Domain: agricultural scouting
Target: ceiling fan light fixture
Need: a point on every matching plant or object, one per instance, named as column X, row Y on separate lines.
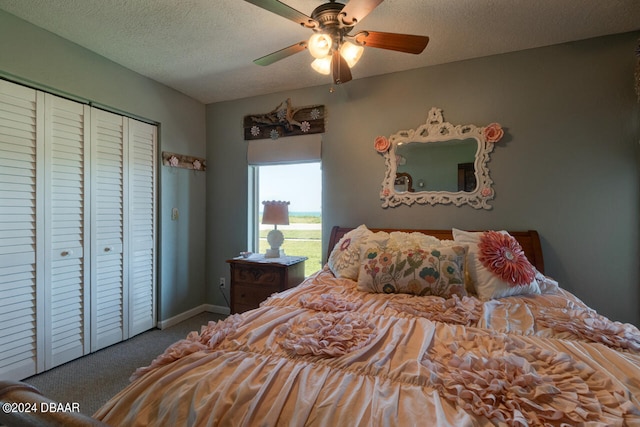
column 320, row 45
column 322, row 65
column 331, row 23
column 351, row 53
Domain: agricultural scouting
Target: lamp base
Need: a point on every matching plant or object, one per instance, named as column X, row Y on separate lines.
column 274, row 253
column 275, row 238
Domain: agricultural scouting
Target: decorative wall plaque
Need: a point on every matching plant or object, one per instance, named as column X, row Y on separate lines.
column 184, row 161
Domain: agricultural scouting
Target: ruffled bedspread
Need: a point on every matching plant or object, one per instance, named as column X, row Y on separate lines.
column 326, row 354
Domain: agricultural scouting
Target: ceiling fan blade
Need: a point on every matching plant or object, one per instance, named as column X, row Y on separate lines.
column 285, row 11
column 356, row 10
column 340, row 68
column 407, row 43
column 281, row 54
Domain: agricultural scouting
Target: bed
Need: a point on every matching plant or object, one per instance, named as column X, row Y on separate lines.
column 407, row 345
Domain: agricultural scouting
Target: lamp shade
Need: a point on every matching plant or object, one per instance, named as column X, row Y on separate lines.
column 275, row 212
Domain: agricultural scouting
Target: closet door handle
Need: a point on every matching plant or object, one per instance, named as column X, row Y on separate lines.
column 108, row 248
column 66, row 253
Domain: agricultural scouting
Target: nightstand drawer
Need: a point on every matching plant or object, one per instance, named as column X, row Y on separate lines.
column 251, row 295
column 259, row 275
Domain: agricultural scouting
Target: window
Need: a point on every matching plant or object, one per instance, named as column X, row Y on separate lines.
column 301, row 185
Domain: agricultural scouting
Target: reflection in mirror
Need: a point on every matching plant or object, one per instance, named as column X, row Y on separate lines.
column 439, row 166
column 403, row 182
column 438, row 163
column 467, row 177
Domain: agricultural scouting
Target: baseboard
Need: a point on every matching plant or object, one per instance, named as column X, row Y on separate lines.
column 218, row 309
column 210, row 308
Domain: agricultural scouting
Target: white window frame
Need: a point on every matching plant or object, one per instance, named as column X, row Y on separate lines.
column 253, row 232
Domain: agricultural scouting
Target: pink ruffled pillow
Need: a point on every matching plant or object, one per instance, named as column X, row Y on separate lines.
column 497, row 264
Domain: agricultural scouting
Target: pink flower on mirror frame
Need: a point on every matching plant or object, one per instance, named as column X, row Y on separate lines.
column 493, row 132
column 486, row 192
column 381, row 144
column 503, row 256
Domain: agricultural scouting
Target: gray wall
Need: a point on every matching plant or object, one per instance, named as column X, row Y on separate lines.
column 45, row 59
column 568, row 166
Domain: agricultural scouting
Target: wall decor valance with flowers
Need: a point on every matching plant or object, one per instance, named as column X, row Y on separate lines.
column 438, row 163
column 283, row 121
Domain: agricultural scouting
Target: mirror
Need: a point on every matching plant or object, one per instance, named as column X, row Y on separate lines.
column 438, row 163
column 439, row 166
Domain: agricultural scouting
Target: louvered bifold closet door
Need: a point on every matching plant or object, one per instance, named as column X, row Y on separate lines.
column 66, row 246
column 108, row 275
column 19, row 226
column 142, row 225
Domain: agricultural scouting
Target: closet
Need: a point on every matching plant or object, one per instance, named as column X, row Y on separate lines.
column 77, row 229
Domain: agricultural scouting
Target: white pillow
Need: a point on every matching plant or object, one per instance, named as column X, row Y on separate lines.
column 344, row 260
column 403, row 239
column 547, row 284
column 497, row 265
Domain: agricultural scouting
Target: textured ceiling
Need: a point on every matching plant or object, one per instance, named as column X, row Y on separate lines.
column 205, row 48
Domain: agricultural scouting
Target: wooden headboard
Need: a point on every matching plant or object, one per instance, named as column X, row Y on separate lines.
column 529, row 240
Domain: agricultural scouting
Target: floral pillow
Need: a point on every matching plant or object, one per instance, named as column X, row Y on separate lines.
column 497, row 264
column 436, row 270
column 344, row 260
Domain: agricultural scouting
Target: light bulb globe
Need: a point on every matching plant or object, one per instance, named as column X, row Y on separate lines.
column 322, row 65
column 319, row 45
column 351, row 53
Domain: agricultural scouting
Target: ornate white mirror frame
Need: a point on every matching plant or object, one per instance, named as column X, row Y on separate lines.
column 437, row 130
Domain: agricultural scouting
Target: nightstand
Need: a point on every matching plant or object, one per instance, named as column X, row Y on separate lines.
column 254, row 279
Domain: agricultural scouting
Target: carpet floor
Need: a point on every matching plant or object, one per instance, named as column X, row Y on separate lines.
column 93, row 379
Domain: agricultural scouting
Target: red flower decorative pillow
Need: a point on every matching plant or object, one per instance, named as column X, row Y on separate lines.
column 497, row 264
column 503, row 256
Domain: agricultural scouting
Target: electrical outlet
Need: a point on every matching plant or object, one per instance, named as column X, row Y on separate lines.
column 223, row 283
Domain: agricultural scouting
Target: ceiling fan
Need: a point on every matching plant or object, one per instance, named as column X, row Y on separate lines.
column 334, row 49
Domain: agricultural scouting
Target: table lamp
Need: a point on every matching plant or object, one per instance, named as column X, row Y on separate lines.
column 276, row 213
